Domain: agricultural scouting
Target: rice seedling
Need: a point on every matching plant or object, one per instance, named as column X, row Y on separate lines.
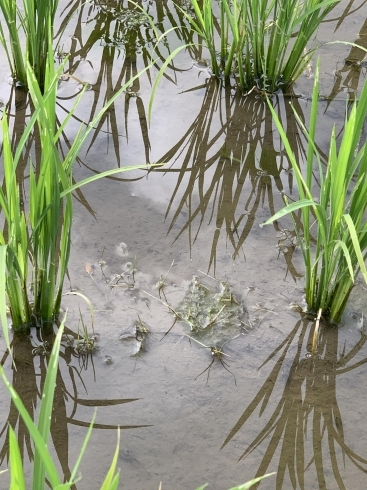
column 162, row 282
column 33, row 21
column 263, row 45
column 38, row 242
column 337, row 214
column 86, row 343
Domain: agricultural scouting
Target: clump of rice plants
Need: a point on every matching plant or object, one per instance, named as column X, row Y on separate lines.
column 262, row 44
column 35, row 245
column 35, row 21
column 338, row 215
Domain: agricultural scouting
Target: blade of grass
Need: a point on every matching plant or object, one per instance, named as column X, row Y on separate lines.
column 159, row 77
column 16, row 467
column 112, row 480
column 33, row 431
column 248, row 485
column 41, row 455
column 4, row 321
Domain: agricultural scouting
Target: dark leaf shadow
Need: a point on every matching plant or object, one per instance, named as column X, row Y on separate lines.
column 308, row 404
column 229, row 156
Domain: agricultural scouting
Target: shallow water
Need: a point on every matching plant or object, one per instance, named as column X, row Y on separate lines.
column 223, row 177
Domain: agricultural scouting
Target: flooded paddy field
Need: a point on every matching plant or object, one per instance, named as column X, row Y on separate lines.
column 231, row 392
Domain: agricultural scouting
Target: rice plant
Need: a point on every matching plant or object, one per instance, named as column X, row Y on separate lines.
column 33, row 23
column 338, row 215
column 38, row 243
column 262, row 44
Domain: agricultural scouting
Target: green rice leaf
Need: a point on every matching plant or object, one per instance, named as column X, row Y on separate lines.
column 3, row 318
column 249, row 484
column 312, row 129
column 342, row 245
column 16, row 467
column 82, row 451
column 34, row 433
column 147, row 16
column 106, row 174
column 111, row 481
column 357, row 248
column 72, row 480
column 315, row 8
column 41, row 455
column 301, row 183
column 87, row 300
column 160, row 75
column 294, row 206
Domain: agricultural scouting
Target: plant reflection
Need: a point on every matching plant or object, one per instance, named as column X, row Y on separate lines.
column 347, row 78
column 350, row 9
column 123, row 39
column 308, row 404
column 229, row 164
column 28, row 379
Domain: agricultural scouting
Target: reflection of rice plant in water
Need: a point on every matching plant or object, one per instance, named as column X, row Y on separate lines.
column 262, row 43
column 41, row 238
column 127, row 33
column 230, row 159
column 338, row 214
column 303, row 431
column 348, row 76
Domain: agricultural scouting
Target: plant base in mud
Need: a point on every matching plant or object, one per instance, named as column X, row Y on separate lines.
column 337, row 215
column 262, row 44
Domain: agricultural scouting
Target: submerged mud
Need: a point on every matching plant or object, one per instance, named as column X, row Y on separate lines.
column 144, row 241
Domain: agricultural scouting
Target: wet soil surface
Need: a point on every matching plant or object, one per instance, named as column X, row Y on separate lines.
column 231, row 391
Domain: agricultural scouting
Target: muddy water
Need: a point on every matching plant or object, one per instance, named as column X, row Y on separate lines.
column 224, row 174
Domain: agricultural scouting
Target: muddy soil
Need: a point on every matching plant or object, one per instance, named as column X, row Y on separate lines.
column 224, row 174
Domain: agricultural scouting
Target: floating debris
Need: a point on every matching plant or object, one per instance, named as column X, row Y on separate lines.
column 214, row 315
